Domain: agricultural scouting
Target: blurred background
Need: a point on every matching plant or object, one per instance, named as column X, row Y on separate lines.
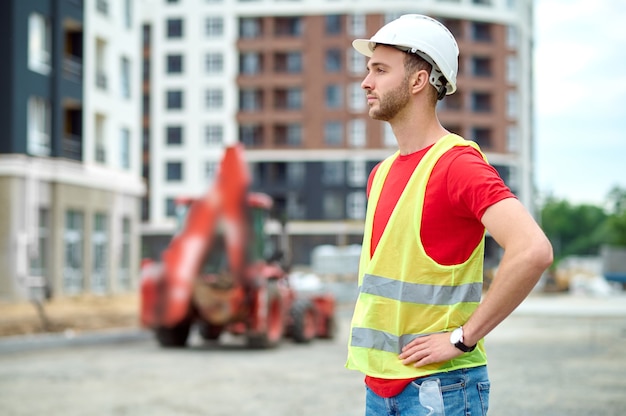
column 114, row 109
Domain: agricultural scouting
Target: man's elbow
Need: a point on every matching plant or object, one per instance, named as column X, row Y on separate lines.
column 542, row 254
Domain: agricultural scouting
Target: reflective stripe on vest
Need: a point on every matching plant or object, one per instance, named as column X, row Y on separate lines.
column 381, row 340
column 420, row 293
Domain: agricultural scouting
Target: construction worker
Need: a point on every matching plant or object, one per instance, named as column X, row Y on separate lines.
column 418, row 325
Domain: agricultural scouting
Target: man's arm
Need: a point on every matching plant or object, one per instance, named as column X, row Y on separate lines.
column 527, row 254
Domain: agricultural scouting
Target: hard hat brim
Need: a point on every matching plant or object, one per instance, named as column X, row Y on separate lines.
column 363, row 46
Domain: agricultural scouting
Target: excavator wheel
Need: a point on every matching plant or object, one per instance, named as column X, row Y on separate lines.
column 269, row 307
column 173, row 337
column 303, row 327
column 209, row 332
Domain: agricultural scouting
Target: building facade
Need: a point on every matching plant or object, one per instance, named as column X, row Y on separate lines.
column 70, row 166
column 282, row 78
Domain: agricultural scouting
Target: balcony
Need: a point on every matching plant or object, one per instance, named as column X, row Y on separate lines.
column 73, row 68
column 72, row 147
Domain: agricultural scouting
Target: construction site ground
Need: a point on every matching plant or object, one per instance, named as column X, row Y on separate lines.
column 77, row 314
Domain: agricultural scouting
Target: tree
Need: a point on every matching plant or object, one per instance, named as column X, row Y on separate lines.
column 584, row 229
column 617, row 218
column 574, row 229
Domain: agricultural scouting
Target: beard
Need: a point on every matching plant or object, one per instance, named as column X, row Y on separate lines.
column 390, row 104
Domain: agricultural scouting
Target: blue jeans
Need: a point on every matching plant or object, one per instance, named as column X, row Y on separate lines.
column 465, row 392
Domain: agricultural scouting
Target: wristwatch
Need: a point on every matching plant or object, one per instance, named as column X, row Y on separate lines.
column 456, row 339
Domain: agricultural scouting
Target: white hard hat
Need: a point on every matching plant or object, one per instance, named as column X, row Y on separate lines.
column 424, row 36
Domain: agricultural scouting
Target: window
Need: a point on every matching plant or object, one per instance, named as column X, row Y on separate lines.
column 124, row 279
column 481, row 66
column 296, row 207
column 38, row 127
column 250, row 99
column 213, row 27
column 250, row 63
column 333, row 60
column 251, row 135
column 99, row 243
column 333, row 133
column 356, row 203
column 214, row 134
column 125, row 78
column 512, row 109
column 174, row 100
column 511, row 37
column 333, row 24
column 333, row 96
column 332, row 205
column 39, row 44
column 481, row 102
column 512, row 139
column 296, row 173
column 356, row 173
column 100, row 145
column 481, row 32
column 101, row 76
column 39, row 262
column 174, row 28
column 333, row 173
column 102, row 6
column 125, row 148
column 213, row 98
column 73, row 256
column 288, row 99
column 128, row 14
column 174, row 135
column 482, row 136
column 288, row 62
column 356, row 132
column 210, row 170
column 356, row 25
column 511, row 69
column 213, row 63
column 288, row 134
column 357, row 101
column 250, row 27
column 174, row 64
column 170, row 208
column 174, row 171
column 452, row 102
column 288, row 26
column 356, row 62
column 482, row 2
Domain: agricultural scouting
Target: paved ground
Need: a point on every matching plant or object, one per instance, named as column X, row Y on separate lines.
column 557, row 355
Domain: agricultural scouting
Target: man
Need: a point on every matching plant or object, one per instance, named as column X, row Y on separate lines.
column 419, row 322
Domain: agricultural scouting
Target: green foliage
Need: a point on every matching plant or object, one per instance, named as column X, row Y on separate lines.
column 617, row 220
column 583, row 229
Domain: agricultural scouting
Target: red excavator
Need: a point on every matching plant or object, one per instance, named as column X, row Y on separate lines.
column 216, row 272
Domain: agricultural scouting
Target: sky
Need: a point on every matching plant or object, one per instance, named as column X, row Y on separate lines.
column 580, row 101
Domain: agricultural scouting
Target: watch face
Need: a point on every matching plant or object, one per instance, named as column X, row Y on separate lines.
column 456, row 336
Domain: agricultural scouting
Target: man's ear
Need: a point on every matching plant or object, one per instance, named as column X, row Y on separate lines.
column 419, row 81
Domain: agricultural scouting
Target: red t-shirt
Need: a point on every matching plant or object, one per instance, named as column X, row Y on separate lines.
column 460, row 189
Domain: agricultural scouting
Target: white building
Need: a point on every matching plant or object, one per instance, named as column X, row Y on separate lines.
column 70, row 171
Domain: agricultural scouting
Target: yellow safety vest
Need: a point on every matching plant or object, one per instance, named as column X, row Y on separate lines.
column 405, row 294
